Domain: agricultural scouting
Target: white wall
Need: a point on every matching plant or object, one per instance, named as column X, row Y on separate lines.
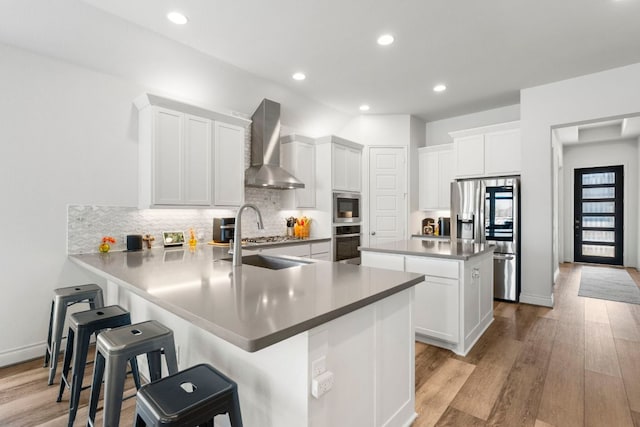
column 604, row 154
column 610, row 93
column 69, row 136
column 438, row 131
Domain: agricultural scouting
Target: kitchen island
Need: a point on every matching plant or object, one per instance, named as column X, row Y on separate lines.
column 272, row 330
column 454, row 303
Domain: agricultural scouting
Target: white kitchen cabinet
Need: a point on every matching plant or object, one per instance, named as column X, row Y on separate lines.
column 188, row 156
column 346, row 167
column 228, row 164
column 436, row 171
column 454, row 304
column 298, row 155
column 181, row 152
column 321, row 250
column 502, row 152
column 488, row 151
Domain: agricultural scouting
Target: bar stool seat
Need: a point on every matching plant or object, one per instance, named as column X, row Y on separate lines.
column 113, row 348
column 81, row 326
column 62, row 298
column 190, row 397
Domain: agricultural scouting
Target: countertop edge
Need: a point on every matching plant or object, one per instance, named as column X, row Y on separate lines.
column 256, row 344
column 428, row 255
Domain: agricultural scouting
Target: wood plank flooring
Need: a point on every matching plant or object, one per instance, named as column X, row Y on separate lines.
column 575, row 365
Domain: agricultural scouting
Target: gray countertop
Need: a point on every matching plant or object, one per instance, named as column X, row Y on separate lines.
column 250, row 307
column 431, row 248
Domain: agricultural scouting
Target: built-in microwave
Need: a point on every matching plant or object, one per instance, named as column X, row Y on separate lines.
column 346, row 207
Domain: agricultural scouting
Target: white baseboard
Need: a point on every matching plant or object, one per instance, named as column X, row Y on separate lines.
column 544, row 301
column 22, row 354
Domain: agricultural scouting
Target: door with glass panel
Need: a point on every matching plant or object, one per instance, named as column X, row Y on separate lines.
column 598, row 215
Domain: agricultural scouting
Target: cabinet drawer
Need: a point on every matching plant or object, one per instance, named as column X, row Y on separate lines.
column 432, row 267
column 380, row 260
column 320, row 247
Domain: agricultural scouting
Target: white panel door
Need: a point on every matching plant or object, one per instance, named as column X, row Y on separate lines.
column 197, row 153
column 229, row 165
column 167, row 154
column 387, row 194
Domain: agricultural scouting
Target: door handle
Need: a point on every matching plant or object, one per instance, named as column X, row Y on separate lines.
column 373, row 233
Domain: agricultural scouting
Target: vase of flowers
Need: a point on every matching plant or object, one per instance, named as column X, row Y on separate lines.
column 105, row 246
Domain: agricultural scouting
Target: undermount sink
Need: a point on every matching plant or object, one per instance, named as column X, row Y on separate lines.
column 271, row 262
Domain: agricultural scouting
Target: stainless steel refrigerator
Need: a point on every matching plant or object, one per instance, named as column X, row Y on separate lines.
column 488, row 211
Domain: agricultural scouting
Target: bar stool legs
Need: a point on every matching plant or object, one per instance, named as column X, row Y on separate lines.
column 62, row 298
column 113, row 349
column 82, row 326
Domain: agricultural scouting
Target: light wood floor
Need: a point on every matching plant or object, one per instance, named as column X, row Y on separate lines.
column 575, row 365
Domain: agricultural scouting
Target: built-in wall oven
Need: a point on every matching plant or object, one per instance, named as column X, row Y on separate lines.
column 346, row 240
column 346, row 207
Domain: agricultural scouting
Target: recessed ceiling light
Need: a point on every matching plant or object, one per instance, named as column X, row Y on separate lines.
column 364, row 107
column 439, row 88
column 299, row 76
column 177, row 18
column 385, row 40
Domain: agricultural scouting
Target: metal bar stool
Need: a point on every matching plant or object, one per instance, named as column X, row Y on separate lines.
column 190, row 397
column 62, row 298
column 113, row 349
column 81, row 326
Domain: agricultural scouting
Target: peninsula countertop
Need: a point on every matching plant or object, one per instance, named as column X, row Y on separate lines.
column 250, row 307
column 431, row 248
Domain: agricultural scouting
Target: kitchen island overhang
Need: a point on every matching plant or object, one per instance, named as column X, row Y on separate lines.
column 266, row 328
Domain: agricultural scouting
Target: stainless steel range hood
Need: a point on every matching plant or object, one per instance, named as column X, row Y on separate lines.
column 265, row 170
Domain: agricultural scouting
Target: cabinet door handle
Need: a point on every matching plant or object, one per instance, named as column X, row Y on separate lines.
column 373, row 233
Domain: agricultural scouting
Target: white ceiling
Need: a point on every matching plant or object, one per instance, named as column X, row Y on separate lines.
column 484, row 51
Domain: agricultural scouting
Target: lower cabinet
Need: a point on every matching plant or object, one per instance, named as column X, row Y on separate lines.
column 454, row 304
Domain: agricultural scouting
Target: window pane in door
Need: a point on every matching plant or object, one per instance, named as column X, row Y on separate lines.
column 599, row 193
column 598, row 207
column 599, row 221
column 598, row 236
column 599, row 178
column 599, row 251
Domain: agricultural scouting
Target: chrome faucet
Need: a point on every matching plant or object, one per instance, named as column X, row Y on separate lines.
column 237, row 234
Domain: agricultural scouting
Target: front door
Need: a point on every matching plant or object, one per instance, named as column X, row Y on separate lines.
column 598, row 215
column 387, row 194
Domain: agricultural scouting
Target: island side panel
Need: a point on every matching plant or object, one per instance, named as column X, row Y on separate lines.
column 371, row 354
column 273, row 383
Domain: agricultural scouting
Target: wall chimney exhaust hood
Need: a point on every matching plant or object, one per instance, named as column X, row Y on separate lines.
column 265, row 170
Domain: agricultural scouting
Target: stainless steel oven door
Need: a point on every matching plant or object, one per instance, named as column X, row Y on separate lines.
column 346, row 248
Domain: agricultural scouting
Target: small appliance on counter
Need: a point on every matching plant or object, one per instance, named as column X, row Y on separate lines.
column 134, row 242
column 444, row 226
column 428, row 226
column 223, row 229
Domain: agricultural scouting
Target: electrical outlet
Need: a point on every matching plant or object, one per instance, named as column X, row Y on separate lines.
column 318, row 366
column 322, row 384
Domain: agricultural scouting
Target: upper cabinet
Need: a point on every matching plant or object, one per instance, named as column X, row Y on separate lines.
column 189, row 156
column 436, row 169
column 488, row 151
column 228, row 164
column 346, row 164
column 298, row 156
